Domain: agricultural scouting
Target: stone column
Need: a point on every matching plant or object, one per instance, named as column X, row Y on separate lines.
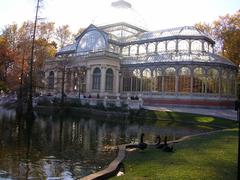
column 116, row 79
column 190, row 46
column 72, row 80
column 147, row 48
column 65, row 80
column 202, row 46
column 103, row 80
column 156, row 47
column 176, row 46
column 88, row 80
column 59, row 80
column 121, row 83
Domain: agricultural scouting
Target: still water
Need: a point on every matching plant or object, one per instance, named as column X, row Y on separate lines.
column 63, row 146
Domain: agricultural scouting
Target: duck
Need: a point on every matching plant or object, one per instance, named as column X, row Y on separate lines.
column 158, row 144
column 166, row 147
column 142, row 145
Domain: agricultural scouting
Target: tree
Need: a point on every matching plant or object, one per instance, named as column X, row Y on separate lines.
column 226, row 32
column 10, row 34
column 6, row 62
column 63, row 35
column 46, row 31
column 15, row 51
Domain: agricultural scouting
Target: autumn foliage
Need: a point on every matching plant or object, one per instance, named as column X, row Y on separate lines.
column 226, row 33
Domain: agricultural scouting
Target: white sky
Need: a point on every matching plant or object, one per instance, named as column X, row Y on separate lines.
column 158, row 14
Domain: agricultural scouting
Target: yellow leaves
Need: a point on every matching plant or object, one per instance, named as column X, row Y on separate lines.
column 226, row 32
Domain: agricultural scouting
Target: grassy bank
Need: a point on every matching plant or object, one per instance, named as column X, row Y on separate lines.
column 150, row 116
column 205, row 157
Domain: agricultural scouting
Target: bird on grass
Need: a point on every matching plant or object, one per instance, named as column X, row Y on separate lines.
column 158, row 144
column 166, row 147
column 142, row 145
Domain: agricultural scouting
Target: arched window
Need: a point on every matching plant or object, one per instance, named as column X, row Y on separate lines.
column 157, row 79
column 125, row 51
column 161, row 47
column 196, row 46
column 210, row 48
column 96, row 79
column 146, row 81
column 184, row 80
column 92, row 41
column 109, row 79
column 224, row 83
column 133, row 50
column 51, row 80
column 136, row 80
column 142, row 49
column 117, row 49
column 151, row 47
column 198, row 80
column 213, row 81
column 183, row 45
column 171, row 46
column 169, row 79
column 206, row 46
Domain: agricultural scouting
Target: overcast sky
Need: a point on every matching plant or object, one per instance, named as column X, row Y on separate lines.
column 158, row 14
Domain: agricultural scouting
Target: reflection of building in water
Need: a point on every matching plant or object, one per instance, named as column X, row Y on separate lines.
column 7, row 113
column 172, row 66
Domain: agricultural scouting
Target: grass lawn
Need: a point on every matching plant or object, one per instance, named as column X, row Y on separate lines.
column 205, row 157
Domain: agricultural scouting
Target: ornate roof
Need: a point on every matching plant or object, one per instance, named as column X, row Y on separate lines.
column 181, row 57
column 178, row 32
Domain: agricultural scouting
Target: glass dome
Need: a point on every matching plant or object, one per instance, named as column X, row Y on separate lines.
column 120, row 11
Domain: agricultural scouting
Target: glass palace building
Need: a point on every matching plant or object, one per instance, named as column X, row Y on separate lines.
column 122, row 59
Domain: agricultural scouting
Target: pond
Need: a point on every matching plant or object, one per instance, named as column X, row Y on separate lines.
column 67, row 146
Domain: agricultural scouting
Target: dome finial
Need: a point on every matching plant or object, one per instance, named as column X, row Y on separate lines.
column 121, row 4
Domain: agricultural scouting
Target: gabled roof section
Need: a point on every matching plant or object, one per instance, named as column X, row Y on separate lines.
column 89, row 28
column 121, row 31
column 71, row 48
